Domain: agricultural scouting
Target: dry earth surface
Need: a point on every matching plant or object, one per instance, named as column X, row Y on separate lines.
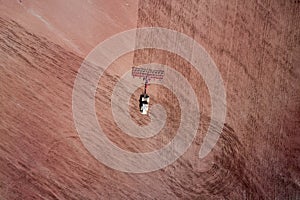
column 256, row 46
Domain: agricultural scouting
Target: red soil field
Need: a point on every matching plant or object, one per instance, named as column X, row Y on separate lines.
column 254, row 44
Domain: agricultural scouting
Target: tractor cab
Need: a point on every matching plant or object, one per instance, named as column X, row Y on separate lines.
column 144, row 103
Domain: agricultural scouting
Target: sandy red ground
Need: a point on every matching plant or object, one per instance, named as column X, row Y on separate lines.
column 256, row 46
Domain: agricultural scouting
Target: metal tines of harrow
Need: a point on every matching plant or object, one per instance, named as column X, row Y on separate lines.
column 149, row 73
